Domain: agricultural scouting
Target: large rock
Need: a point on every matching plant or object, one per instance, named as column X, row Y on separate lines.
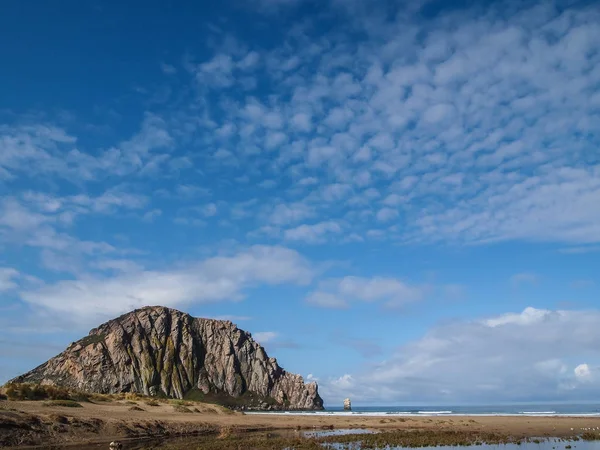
column 347, row 404
column 162, row 351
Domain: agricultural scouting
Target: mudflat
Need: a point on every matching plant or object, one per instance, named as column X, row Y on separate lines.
column 30, row 423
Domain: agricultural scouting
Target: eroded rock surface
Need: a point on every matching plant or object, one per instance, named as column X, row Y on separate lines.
column 162, row 351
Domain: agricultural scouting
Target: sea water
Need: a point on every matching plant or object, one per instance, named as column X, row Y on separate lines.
column 578, row 410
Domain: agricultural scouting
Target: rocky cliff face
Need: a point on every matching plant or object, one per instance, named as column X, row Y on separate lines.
column 161, row 351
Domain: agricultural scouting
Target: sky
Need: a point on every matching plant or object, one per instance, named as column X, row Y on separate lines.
column 398, row 199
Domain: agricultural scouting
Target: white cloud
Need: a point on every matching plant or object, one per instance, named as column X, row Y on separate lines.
column 118, row 265
column 582, row 284
column 386, row 214
column 486, row 360
column 42, row 150
column 149, row 216
column 283, row 214
column 168, row 69
column 302, row 122
column 313, row 233
column 264, row 337
column 191, row 191
column 340, row 292
column 221, row 278
column 456, row 126
column 326, row 300
column 477, row 122
column 16, row 217
column 527, row 317
column 520, row 279
column 7, row 278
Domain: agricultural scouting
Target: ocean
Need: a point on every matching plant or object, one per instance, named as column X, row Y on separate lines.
column 459, row 410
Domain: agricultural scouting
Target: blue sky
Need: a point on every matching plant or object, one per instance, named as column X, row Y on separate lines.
column 401, row 201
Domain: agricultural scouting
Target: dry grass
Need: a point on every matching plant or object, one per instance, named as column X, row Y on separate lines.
column 133, row 396
column 65, row 403
column 178, row 402
column 181, row 409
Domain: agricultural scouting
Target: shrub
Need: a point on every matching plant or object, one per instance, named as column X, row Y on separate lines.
column 11, row 392
column 26, row 391
column 92, row 339
column 132, row 396
column 135, row 408
column 182, row 409
column 100, row 398
column 152, row 403
column 65, row 403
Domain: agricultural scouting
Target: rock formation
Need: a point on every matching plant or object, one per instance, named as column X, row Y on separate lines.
column 347, row 404
column 159, row 351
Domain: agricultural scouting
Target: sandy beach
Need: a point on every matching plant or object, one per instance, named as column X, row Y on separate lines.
column 27, row 423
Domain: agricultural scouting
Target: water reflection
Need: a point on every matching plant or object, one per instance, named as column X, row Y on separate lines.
column 269, row 439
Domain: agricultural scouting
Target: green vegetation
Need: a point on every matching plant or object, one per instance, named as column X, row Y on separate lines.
column 30, row 391
column 100, row 398
column 178, row 402
column 26, row 391
column 416, row 439
column 65, row 403
column 92, row 339
column 247, row 399
column 133, row 396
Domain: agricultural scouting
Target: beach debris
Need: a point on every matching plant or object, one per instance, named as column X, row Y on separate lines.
column 115, row 445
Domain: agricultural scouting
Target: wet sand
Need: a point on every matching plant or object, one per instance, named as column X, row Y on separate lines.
column 30, row 422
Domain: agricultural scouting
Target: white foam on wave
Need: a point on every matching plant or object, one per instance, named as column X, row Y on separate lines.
column 422, row 413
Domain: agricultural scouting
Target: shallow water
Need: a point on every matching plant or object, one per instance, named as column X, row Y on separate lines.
column 201, row 442
column 338, row 432
column 547, row 445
